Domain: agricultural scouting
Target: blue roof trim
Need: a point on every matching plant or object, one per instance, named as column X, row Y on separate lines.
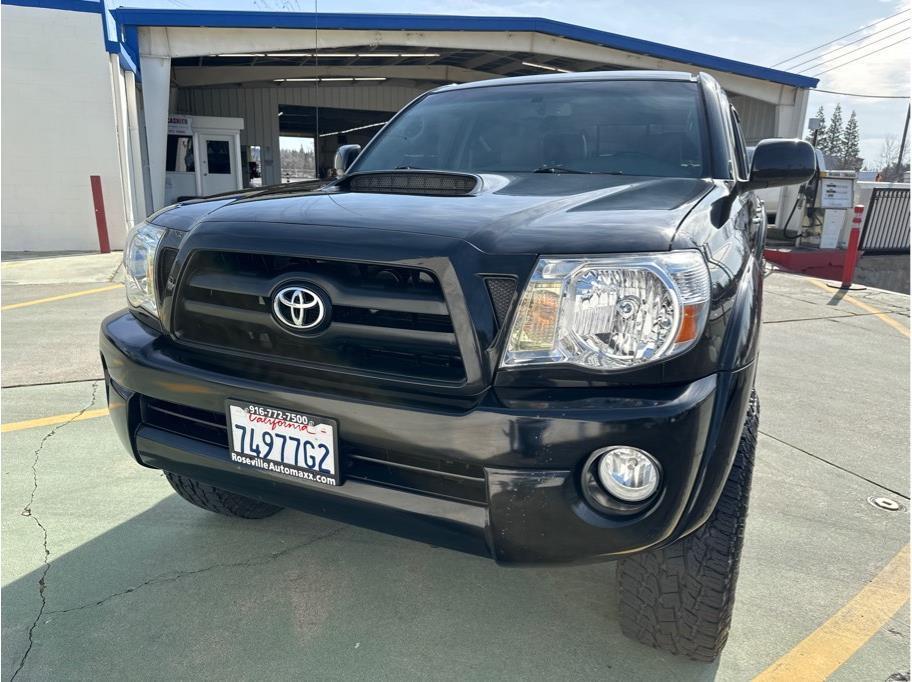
column 91, row 6
column 425, row 22
column 126, row 62
column 129, row 49
column 111, row 44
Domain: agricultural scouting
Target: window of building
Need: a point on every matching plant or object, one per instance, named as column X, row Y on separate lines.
column 218, row 157
column 179, row 156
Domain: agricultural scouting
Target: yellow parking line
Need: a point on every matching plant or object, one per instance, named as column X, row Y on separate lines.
column 61, row 297
column 53, row 421
column 818, row 655
column 880, row 314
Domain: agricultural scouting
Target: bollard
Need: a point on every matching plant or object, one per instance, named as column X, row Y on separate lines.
column 101, row 222
column 851, row 257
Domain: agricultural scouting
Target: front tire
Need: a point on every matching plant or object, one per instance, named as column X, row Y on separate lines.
column 680, row 598
column 219, row 501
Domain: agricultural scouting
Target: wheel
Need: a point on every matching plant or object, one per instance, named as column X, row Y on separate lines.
column 218, row 500
column 679, row 598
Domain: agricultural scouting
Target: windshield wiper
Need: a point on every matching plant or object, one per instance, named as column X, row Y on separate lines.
column 558, row 168
column 409, row 168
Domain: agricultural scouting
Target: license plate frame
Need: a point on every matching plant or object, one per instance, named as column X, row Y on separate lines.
column 247, row 421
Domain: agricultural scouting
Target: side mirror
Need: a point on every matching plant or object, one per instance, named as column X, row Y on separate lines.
column 776, row 163
column 345, row 156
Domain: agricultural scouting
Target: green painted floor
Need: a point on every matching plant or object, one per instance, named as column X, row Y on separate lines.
column 137, row 584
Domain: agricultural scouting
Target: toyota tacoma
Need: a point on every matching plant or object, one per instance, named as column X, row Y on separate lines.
column 522, row 323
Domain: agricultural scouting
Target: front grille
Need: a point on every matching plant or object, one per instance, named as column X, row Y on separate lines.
column 166, row 258
column 501, row 291
column 444, row 479
column 385, row 320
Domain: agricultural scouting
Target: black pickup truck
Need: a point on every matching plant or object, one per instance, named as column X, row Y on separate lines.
column 522, row 323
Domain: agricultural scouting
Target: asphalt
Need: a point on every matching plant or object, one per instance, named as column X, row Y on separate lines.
column 107, row 574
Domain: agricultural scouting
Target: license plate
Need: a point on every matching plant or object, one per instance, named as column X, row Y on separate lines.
column 288, row 443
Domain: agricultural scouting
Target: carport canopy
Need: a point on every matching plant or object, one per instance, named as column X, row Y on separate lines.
column 256, row 65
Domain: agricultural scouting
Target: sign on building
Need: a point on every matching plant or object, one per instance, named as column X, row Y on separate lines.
column 180, row 125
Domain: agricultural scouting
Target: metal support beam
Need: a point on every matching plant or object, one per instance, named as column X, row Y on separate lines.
column 156, row 88
column 192, row 41
column 191, row 76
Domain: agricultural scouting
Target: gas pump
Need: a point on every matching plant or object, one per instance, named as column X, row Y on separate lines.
column 827, row 198
column 824, row 202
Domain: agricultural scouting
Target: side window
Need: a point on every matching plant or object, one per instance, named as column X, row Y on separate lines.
column 740, row 147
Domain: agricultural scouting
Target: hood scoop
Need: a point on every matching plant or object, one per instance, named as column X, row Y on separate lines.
column 432, row 183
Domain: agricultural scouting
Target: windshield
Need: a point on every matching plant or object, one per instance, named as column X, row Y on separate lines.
column 653, row 128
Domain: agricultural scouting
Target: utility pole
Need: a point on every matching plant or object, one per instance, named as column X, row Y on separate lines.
column 902, row 146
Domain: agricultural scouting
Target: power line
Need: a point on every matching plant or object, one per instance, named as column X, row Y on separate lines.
column 862, row 39
column 829, row 42
column 854, row 94
column 852, row 61
column 846, row 54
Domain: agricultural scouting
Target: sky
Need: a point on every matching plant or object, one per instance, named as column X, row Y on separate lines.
column 761, row 32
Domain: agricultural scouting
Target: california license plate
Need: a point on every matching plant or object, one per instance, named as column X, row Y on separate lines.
column 289, row 443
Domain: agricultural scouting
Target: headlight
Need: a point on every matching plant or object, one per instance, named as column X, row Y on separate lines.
column 610, row 313
column 139, row 266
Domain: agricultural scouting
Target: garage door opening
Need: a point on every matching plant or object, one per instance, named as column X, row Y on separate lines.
column 311, row 137
column 297, row 158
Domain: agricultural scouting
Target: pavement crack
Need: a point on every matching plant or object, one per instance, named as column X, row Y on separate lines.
column 113, row 276
column 27, row 512
column 834, row 465
column 55, row 383
column 179, row 575
column 800, row 299
column 821, row 317
column 889, row 308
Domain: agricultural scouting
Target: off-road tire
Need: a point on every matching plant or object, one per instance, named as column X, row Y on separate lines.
column 679, row 598
column 219, row 501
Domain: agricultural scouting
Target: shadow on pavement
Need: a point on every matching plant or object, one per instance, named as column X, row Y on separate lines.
column 175, row 592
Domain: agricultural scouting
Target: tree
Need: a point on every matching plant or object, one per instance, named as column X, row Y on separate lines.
column 886, row 160
column 832, row 143
column 888, row 151
column 849, row 151
column 298, row 163
column 822, row 131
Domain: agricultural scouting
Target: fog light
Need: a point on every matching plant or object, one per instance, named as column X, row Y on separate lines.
column 629, row 474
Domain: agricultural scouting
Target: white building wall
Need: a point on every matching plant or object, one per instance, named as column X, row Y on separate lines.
column 59, row 128
column 758, row 118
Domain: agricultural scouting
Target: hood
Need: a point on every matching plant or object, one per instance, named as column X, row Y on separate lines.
column 523, row 213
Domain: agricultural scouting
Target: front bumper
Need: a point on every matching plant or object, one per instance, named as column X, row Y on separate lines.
column 529, row 444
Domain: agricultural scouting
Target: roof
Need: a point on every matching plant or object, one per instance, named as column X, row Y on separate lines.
column 129, row 18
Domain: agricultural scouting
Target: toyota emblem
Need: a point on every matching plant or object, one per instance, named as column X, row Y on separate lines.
column 299, row 308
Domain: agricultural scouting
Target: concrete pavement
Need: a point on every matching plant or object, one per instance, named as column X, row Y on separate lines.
column 58, row 343
column 137, row 584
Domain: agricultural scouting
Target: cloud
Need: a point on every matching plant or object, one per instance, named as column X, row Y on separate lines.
column 879, row 64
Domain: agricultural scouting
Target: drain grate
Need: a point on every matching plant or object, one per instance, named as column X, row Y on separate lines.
column 885, row 503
